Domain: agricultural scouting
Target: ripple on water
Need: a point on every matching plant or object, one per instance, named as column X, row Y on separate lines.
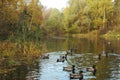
column 52, row 70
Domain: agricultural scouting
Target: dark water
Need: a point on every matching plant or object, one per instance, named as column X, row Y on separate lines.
column 49, row 69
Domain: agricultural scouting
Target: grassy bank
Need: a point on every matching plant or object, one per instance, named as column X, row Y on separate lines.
column 16, row 54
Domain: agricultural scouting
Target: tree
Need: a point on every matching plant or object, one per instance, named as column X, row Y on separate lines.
column 30, row 20
column 53, row 21
column 8, row 22
column 75, row 16
column 87, row 15
column 116, row 19
column 100, row 13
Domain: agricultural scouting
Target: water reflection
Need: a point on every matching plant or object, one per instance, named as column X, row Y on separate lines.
column 52, row 70
column 107, row 68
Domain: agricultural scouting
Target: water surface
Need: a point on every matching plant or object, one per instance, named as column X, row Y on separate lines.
column 49, row 69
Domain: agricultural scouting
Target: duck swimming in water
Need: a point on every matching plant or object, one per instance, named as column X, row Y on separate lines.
column 77, row 75
column 92, row 69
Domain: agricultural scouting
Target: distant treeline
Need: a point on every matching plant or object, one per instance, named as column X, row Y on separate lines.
column 23, row 20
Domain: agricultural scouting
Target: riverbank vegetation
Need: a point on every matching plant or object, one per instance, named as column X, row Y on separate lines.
column 23, row 23
column 20, row 33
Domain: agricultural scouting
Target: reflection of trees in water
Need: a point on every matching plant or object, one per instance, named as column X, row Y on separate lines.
column 82, row 45
column 19, row 72
column 85, row 59
column 106, row 67
column 112, row 46
column 12, row 57
column 108, row 47
column 86, row 48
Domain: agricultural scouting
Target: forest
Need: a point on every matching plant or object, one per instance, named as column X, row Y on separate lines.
column 29, row 20
column 24, row 23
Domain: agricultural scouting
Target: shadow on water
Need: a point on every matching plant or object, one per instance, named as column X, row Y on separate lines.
column 49, row 69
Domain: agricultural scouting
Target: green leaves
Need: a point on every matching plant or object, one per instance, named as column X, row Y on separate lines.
column 89, row 14
column 53, row 21
column 75, row 15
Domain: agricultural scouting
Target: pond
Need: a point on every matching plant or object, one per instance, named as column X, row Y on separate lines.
column 108, row 68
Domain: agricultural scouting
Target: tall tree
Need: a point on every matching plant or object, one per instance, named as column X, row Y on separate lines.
column 53, row 21
column 100, row 13
column 87, row 15
column 8, row 16
column 19, row 15
column 75, row 16
column 116, row 18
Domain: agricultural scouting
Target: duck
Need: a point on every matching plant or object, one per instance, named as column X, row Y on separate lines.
column 69, row 68
column 104, row 53
column 45, row 56
column 69, row 52
column 64, row 57
column 77, row 75
column 92, row 69
column 60, row 60
column 97, row 56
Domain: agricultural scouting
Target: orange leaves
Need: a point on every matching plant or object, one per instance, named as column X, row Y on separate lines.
column 35, row 11
column 14, row 13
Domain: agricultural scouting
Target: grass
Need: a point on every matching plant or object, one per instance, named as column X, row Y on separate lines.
column 16, row 54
